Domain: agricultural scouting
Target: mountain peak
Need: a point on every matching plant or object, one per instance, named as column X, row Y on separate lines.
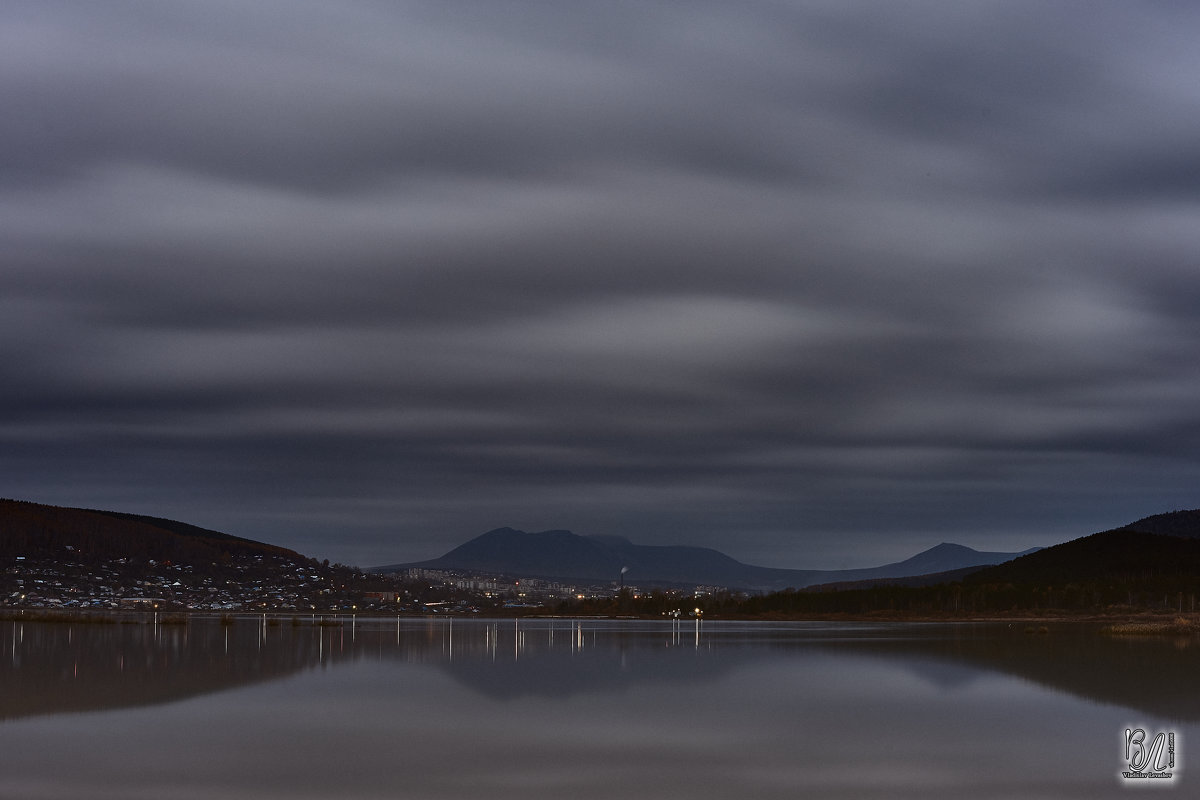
column 562, row 555
column 498, row 532
column 611, row 540
column 951, row 547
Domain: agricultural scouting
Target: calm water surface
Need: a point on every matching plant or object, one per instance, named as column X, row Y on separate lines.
column 584, row 709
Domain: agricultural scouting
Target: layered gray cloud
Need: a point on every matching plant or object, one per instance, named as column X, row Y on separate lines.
column 818, row 284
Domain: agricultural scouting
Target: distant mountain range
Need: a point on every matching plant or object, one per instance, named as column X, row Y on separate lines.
column 562, row 555
column 1155, row 554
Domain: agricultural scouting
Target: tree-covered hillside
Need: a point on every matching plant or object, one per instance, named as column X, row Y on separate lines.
column 35, row 531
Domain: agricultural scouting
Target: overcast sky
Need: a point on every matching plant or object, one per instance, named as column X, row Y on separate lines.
column 817, row 284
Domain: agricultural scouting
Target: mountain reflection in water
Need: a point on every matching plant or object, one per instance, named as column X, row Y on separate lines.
column 64, row 667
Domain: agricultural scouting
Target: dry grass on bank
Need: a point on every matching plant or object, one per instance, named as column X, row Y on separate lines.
column 1176, row 627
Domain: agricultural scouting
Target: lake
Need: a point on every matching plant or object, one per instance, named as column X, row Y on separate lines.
column 440, row 708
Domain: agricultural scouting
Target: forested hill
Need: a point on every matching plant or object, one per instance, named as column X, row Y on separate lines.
column 1162, row 549
column 38, row 531
column 1149, row 565
column 1183, row 524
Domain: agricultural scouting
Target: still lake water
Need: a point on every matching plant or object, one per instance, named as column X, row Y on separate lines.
column 585, row 709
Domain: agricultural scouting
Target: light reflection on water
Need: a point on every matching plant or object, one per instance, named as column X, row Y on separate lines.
column 577, row 708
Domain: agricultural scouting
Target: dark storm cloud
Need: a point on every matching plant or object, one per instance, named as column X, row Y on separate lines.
column 814, row 283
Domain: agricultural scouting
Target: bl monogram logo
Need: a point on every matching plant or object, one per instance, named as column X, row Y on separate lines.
column 1149, row 757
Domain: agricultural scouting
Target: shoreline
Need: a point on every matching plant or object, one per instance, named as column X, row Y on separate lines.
column 1131, row 621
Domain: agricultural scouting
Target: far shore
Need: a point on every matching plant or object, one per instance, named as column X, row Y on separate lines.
column 1116, row 621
